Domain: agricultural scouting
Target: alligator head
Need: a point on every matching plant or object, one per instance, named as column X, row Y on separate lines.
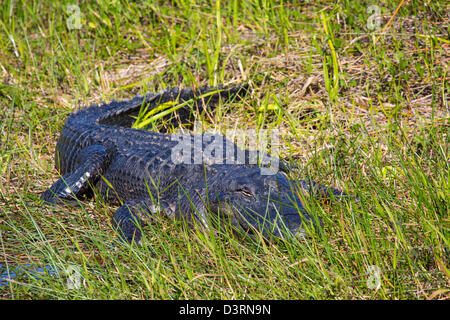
column 268, row 204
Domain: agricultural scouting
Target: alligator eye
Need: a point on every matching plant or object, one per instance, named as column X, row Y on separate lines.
column 245, row 192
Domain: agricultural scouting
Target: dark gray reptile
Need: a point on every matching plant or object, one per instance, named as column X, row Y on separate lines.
column 98, row 148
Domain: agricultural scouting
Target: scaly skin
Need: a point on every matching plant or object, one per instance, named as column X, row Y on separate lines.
column 97, row 148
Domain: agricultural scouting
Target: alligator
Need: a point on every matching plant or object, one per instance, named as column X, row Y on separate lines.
column 99, row 150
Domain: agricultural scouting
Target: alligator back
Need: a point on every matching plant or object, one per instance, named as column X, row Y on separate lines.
column 110, row 123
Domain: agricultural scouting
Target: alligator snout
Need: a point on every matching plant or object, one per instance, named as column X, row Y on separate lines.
column 278, row 219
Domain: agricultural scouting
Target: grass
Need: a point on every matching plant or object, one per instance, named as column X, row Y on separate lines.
column 359, row 108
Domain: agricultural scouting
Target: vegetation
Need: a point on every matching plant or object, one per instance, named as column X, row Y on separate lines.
column 359, row 93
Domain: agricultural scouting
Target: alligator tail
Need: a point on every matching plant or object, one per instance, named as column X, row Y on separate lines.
column 124, row 113
column 209, row 96
column 202, row 99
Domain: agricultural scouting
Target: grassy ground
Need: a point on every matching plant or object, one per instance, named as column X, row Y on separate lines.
column 358, row 92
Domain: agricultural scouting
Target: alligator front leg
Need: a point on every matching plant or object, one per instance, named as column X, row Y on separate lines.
column 135, row 213
column 92, row 163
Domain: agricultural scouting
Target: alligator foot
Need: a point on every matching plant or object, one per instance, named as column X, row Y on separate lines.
column 134, row 214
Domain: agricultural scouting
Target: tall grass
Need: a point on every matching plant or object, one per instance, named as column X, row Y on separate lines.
column 359, row 111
